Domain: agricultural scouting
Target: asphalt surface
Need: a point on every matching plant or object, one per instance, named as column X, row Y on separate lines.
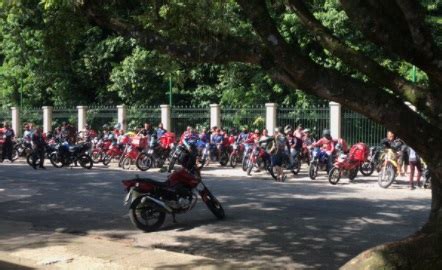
column 297, row 224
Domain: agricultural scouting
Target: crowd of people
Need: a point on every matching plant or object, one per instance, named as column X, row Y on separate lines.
column 285, row 143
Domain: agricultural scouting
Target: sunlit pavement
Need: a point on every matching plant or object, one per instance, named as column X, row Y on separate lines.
column 297, row 224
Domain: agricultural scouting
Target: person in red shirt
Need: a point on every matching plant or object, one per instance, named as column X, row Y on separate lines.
column 327, row 145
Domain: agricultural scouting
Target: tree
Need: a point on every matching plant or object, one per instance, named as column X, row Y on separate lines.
column 362, row 71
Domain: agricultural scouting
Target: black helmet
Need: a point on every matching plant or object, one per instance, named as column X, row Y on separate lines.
column 326, row 133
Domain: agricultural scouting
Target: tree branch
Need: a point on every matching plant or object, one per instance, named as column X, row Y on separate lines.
column 385, row 24
column 416, row 95
column 229, row 49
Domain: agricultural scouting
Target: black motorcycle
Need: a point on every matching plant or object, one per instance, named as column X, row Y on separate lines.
column 155, row 157
column 184, row 155
column 22, row 148
column 373, row 161
column 65, row 155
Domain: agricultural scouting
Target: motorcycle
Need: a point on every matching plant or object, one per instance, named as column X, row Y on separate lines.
column 151, row 200
column 319, row 162
column 183, row 155
column 22, row 148
column 387, row 168
column 156, row 156
column 248, row 147
column 260, row 159
column 372, row 162
column 99, row 149
column 236, row 155
column 349, row 164
column 65, row 155
column 222, row 157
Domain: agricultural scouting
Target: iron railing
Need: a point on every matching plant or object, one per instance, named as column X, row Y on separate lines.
column 138, row 115
column 243, row 117
column 63, row 114
column 5, row 115
column 358, row 128
column 196, row 117
column 32, row 115
column 315, row 118
column 98, row 116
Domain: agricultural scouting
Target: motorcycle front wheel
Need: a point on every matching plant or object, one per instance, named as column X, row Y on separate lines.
column 29, row 160
column 334, row 176
column 249, row 167
column 386, row 176
column 244, row 162
column 297, row 166
column 145, row 217
column 213, row 204
column 367, row 168
column 144, row 162
column 313, row 170
column 233, row 160
column 107, row 160
column 85, row 161
column 126, row 163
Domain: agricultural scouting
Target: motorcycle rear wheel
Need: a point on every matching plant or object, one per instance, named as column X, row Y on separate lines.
column 96, row 156
column 244, row 162
column 224, row 158
column 213, row 204
column 85, row 161
column 144, row 162
column 249, row 167
column 386, row 176
column 29, row 160
column 141, row 214
column 334, row 176
column 367, row 168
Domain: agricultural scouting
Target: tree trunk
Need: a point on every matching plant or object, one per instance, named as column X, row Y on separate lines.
column 423, row 250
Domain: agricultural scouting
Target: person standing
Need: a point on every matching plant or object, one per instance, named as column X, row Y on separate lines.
column 414, row 163
column 278, row 153
column 8, row 137
column 39, row 146
column 160, row 130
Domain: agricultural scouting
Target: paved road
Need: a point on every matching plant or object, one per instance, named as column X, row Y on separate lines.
column 300, row 223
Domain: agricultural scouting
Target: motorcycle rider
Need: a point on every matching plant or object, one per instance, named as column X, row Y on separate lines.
column 39, row 147
column 397, row 145
column 307, row 139
column 27, row 133
column 8, row 137
column 279, row 147
column 147, row 130
column 299, row 132
column 218, row 140
column 160, row 131
column 189, row 139
column 295, row 143
column 327, row 145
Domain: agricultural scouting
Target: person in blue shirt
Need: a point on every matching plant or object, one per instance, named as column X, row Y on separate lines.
column 217, row 140
column 160, row 130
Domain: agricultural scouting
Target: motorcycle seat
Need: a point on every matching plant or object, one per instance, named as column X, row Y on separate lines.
column 155, row 182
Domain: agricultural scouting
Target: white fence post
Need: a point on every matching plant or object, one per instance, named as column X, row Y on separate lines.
column 47, row 119
column 166, row 117
column 271, row 117
column 335, row 119
column 215, row 115
column 82, row 116
column 16, row 123
column 122, row 113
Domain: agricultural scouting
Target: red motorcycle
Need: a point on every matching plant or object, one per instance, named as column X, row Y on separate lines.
column 151, row 200
column 349, row 164
column 237, row 154
column 116, row 151
column 99, row 149
column 134, row 148
column 259, row 158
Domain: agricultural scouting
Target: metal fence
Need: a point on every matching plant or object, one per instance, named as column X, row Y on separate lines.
column 314, row 118
column 197, row 117
column 138, row 115
column 62, row 114
column 238, row 118
column 97, row 116
column 32, row 115
column 358, row 128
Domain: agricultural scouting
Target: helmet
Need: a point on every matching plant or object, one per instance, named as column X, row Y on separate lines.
column 326, row 132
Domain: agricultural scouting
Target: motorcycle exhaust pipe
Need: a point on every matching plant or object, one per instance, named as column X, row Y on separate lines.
column 158, row 202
